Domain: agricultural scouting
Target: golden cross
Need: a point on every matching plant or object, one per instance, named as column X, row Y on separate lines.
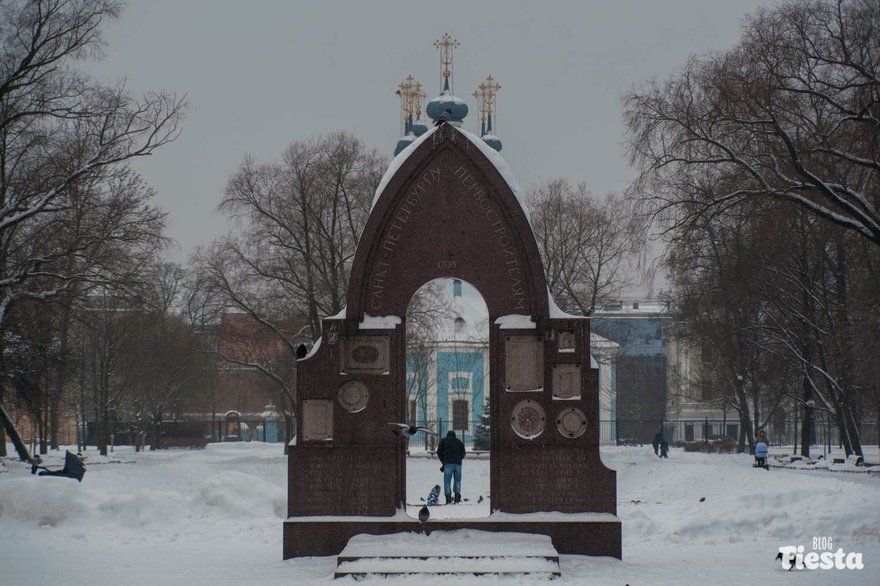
column 491, row 89
column 447, row 45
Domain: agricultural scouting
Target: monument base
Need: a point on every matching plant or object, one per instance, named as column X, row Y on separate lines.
column 596, row 534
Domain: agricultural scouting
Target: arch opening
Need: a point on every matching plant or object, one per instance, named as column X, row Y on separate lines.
column 447, row 389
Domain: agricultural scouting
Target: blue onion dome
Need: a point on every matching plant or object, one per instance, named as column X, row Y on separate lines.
column 446, row 101
column 489, row 137
column 403, row 143
column 493, row 141
column 419, row 128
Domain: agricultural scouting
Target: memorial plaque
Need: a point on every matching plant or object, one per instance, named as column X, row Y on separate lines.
column 571, row 422
column 365, row 355
column 566, row 340
column 353, row 396
column 566, row 381
column 317, row 420
column 528, row 419
column 524, row 363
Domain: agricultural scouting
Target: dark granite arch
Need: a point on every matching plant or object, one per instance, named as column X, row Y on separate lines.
column 448, row 211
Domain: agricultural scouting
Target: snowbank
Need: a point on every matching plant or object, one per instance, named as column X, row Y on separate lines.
column 214, row 516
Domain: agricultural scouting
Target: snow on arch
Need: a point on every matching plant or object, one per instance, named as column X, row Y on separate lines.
column 496, row 159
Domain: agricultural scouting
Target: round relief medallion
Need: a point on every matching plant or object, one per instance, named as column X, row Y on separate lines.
column 353, row 396
column 528, row 419
column 571, row 422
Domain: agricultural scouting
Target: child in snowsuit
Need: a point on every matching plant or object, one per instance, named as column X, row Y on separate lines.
column 434, row 496
column 761, row 452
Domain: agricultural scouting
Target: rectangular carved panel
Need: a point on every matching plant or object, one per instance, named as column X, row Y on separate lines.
column 333, row 480
column 524, row 363
column 317, row 420
column 566, row 381
column 566, row 340
column 365, row 355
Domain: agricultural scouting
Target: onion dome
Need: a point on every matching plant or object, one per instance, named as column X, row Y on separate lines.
column 411, row 96
column 446, row 105
column 419, row 128
column 489, row 138
column 407, row 138
column 403, row 143
column 486, row 94
column 447, row 102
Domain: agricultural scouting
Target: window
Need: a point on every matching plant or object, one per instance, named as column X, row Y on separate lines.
column 706, row 354
column 689, row 432
column 707, row 393
column 459, row 383
column 460, row 413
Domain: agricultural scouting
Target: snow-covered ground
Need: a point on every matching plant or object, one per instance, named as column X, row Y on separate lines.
column 214, row 516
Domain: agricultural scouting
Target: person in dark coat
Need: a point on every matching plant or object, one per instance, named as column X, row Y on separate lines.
column 451, row 453
column 658, row 439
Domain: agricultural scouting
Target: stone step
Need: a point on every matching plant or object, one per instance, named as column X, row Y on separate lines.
column 507, row 565
column 464, row 551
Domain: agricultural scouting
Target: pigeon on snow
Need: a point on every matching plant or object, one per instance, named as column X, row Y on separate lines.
column 408, row 430
column 424, row 513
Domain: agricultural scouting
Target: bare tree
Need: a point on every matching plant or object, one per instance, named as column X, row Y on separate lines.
column 792, row 112
column 59, row 132
column 286, row 266
column 762, row 164
column 713, row 273
column 816, row 326
column 268, row 341
column 424, row 315
column 591, row 248
column 163, row 361
column 299, row 220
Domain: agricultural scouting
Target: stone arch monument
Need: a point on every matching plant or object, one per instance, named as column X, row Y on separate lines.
column 446, row 208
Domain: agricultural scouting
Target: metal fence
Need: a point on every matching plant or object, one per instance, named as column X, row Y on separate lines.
column 624, row 432
column 779, row 432
column 611, row 432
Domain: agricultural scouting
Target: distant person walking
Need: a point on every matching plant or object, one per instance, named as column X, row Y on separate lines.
column 658, row 440
column 451, row 453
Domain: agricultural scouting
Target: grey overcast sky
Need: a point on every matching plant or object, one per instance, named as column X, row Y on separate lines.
column 260, row 74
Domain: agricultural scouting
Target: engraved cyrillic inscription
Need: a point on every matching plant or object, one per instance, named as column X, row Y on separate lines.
column 550, row 479
column 336, row 481
column 503, row 238
column 399, row 220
